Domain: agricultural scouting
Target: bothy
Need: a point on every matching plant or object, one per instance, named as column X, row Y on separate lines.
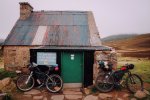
column 66, row 38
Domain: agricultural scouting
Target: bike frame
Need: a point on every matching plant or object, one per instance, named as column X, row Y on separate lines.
column 31, row 73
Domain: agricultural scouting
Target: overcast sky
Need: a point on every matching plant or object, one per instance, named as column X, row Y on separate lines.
column 112, row 16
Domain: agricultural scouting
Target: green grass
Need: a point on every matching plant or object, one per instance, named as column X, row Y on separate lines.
column 142, row 66
column 4, row 74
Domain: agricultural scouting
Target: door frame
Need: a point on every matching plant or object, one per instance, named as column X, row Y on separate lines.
column 73, row 85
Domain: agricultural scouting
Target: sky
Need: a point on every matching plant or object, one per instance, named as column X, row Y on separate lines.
column 111, row 16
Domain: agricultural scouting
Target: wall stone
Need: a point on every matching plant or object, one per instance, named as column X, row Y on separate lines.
column 109, row 56
column 16, row 57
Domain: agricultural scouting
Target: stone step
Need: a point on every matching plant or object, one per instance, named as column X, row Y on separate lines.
column 27, row 95
column 57, row 97
column 33, row 92
column 37, row 97
column 74, row 91
column 73, row 97
column 91, row 97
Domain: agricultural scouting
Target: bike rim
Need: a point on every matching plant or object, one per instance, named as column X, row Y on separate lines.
column 134, row 83
column 22, row 85
column 54, row 84
column 104, row 84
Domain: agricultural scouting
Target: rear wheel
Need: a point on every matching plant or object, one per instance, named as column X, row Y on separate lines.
column 54, row 83
column 104, row 82
column 134, row 83
column 25, row 83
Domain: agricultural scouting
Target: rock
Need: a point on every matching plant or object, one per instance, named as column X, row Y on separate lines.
column 37, row 97
column 140, row 94
column 133, row 99
column 32, row 92
column 86, row 91
column 91, row 97
column 9, row 87
column 1, row 85
column 6, row 81
column 147, row 92
column 57, row 97
column 73, row 97
column 104, row 96
column 126, row 95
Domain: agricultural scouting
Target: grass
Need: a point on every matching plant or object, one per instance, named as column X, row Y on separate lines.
column 142, row 66
column 4, row 74
column 7, row 97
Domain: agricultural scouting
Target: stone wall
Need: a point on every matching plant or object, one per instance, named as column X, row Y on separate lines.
column 16, row 57
column 109, row 56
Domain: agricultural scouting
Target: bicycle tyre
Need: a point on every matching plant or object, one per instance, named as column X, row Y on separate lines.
column 54, row 83
column 104, row 82
column 21, row 83
column 129, row 82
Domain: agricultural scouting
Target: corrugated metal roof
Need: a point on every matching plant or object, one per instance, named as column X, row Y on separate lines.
column 55, row 28
column 101, row 48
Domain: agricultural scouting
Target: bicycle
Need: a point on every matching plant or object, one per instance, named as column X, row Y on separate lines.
column 53, row 82
column 109, row 79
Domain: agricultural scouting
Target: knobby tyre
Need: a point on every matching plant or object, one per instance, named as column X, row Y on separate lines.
column 134, row 83
column 104, row 82
column 54, row 83
column 22, row 83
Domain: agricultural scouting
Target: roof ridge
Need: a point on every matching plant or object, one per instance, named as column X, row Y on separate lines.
column 72, row 11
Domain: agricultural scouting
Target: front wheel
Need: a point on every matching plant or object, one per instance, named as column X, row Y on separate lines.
column 134, row 83
column 54, row 83
column 25, row 83
column 104, row 82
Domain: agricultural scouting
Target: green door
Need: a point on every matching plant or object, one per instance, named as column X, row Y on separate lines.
column 72, row 67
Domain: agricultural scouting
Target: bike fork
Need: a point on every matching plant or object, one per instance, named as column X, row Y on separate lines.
column 29, row 77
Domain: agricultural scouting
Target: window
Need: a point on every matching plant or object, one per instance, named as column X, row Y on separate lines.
column 46, row 58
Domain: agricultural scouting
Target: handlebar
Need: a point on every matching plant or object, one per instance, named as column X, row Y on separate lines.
column 50, row 67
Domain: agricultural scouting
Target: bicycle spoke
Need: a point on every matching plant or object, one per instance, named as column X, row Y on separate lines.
column 104, row 83
column 24, row 83
column 134, row 83
column 54, row 83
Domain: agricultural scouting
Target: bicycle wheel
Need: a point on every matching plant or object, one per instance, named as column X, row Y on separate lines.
column 134, row 83
column 54, row 83
column 104, row 82
column 23, row 83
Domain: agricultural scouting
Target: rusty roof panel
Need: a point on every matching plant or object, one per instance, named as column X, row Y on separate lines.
column 80, row 19
column 63, row 28
column 66, row 35
column 54, row 19
column 28, row 38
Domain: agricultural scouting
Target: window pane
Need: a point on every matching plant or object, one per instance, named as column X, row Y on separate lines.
column 46, row 58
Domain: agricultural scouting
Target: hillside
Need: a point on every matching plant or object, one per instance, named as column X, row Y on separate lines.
column 118, row 37
column 138, row 45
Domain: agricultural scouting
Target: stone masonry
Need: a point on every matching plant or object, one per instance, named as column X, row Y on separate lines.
column 25, row 10
column 16, row 57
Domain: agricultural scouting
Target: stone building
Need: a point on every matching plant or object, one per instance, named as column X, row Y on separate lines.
column 66, row 38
